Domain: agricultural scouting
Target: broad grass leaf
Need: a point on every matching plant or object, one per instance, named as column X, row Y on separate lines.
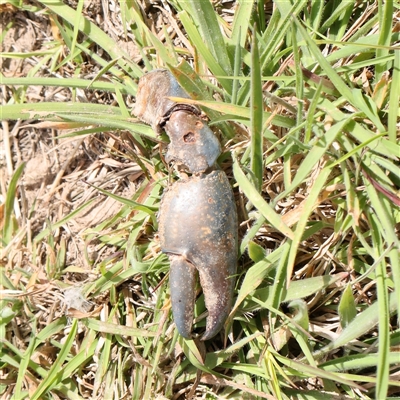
column 357, row 361
column 347, row 307
column 301, row 313
column 360, row 325
column 256, row 252
column 298, row 289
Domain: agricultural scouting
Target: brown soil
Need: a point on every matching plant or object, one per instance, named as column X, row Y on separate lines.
column 59, row 171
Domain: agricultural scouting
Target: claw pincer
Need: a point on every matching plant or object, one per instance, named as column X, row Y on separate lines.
column 197, row 218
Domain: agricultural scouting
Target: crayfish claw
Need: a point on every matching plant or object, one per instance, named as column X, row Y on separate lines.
column 197, row 218
column 218, row 285
column 182, row 280
column 197, row 225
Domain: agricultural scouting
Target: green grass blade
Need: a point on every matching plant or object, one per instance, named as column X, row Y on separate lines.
column 359, row 132
column 130, row 203
column 114, row 70
column 361, row 324
column 93, row 32
column 102, row 72
column 254, row 196
column 347, row 307
column 216, row 358
column 104, row 362
column 91, row 114
column 394, row 99
column 299, row 76
column 237, row 65
column 70, row 82
column 356, row 149
column 357, row 361
column 48, row 381
column 362, row 45
column 315, row 16
column 256, row 118
column 115, row 329
column 317, row 152
column 284, row 13
column 368, row 107
column 85, row 353
column 310, row 204
column 204, row 16
column 239, row 111
column 241, row 20
column 382, row 234
column 329, row 70
column 198, row 43
column 338, row 20
column 384, row 315
column 193, row 355
column 7, row 230
column 165, row 54
column 256, row 274
column 76, row 24
column 58, row 224
column 23, row 366
column 385, row 10
column 112, row 122
column 297, row 289
column 314, row 371
column 251, row 233
column 51, row 329
column 311, row 113
column 47, row 110
column 281, row 280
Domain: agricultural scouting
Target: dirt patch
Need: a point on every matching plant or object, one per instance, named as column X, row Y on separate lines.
column 24, row 32
column 60, row 174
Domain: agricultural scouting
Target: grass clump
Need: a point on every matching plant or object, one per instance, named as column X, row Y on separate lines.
column 305, row 99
